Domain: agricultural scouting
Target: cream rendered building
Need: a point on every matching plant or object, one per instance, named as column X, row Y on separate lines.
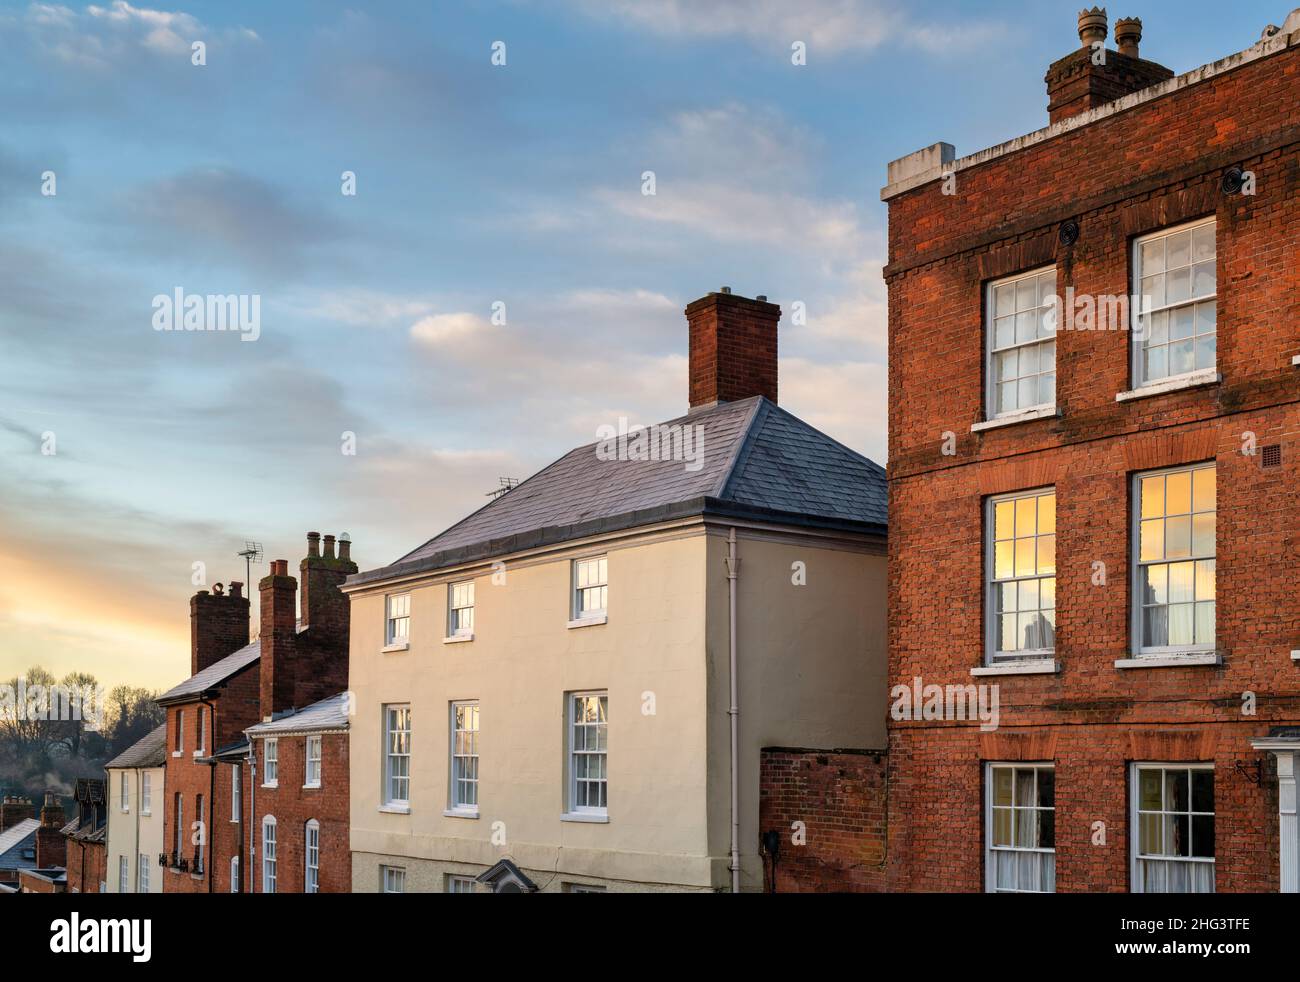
column 548, row 682
column 135, row 797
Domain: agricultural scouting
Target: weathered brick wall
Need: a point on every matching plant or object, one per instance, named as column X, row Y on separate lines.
column 1149, row 167
column 294, row 805
column 840, row 797
column 86, row 867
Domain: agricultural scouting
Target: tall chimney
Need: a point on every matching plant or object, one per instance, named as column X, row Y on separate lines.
column 218, row 625
column 324, row 609
column 51, row 847
column 15, row 809
column 732, row 348
column 1093, row 75
column 279, row 638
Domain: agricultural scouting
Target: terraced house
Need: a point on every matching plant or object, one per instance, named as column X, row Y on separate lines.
column 1094, row 401
column 545, row 693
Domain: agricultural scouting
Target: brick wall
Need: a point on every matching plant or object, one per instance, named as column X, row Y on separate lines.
column 733, row 348
column 86, row 867
column 1093, row 719
column 293, row 805
column 840, row 797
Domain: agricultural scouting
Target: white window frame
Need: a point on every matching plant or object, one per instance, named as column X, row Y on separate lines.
column 1137, row 565
column 573, row 780
column 991, row 410
column 990, row 867
column 992, row 655
column 455, row 756
column 237, row 793
column 390, row 757
column 1135, row 811
column 201, row 745
column 123, row 874
column 460, row 884
column 180, row 733
column 397, row 625
column 311, row 855
column 234, row 874
column 142, row 875
column 269, row 862
column 1139, row 311
column 460, row 609
column 390, row 877
column 124, row 793
column 146, row 793
column 201, row 845
column 597, row 580
column 308, row 760
column 178, row 837
column 270, row 762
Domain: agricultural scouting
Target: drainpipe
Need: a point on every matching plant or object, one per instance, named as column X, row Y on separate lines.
column 210, row 743
column 733, row 574
column 246, row 875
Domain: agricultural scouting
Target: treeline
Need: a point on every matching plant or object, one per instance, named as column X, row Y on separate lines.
column 53, row 731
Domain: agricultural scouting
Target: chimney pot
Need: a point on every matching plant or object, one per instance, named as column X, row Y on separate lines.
column 236, row 589
column 345, row 547
column 313, row 544
column 1128, row 34
column 329, row 547
column 726, row 289
column 1092, row 26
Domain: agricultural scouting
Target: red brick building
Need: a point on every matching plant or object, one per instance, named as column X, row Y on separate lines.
column 299, row 658
column 85, row 849
column 1093, row 507
column 48, row 874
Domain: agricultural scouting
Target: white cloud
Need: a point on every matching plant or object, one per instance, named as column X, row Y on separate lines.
column 449, row 330
column 830, row 26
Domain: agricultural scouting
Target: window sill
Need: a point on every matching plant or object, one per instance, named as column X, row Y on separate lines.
column 1039, row 666
column 311, row 787
column 1295, row 656
column 1192, row 380
column 1042, row 412
column 399, row 646
column 1171, row 661
column 272, row 785
column 457, row 638
column 197, row 753
column 395, row 809
column 178, row 753
column 461, row 813
column 592, row 818
column 145, row 813
column 591, row 621
column 1295, row 360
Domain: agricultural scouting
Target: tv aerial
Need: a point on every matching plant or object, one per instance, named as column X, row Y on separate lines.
column 252, row 553
column 506, row 484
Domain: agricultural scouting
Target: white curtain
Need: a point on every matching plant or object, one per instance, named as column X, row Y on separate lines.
column 1026, row 872
column 1174, row 876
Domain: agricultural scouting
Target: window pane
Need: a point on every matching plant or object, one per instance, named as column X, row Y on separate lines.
column 1181, row 624
column 1007, row 633
column 1149, row 794
column 1047, row 554
column 1001, row 826
column 1178, row 537
column 1025, row 512
column 1004, row 596
column 1153, row 540
column 1181, row 357
column 1003, row 520
column 1155, row 627
column 1203, row 535
column 1028, row 595
column 1178, row 493
column 1176, row 790
column 1046, row 514
column 1153, row 496
column 1181, row 322
column 1203, row 836
column 1002, row 561
column 1181, row 577
column 1203, row 488
column 1026, row 558
column 1152, row 256
column 1005, row 300
column 1004, row 332
column 1205, row 580
column 1203, row 279
column 1155, row 585
column 1205, row 623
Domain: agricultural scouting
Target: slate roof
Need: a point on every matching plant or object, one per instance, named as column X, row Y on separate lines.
column 214, row 674
column 758, row 461
column 13, row 838
column 330, row 713
column 149, row 751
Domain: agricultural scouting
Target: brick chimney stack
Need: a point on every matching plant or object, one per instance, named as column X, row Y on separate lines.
column 279, row 637
column 218, row 625
column 324, row 609
column 51, row 847
column 733, row 348
column 1094, row 75
column 15, row 809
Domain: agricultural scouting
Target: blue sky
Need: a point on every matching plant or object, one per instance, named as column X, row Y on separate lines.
column 476, row 184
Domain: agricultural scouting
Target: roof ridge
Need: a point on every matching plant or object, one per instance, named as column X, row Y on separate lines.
column 740, row 453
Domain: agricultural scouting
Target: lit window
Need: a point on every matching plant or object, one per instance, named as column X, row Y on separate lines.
column 590, row 587
column 460, row 597
column 1174, row 574
column 1021, row 828
column 312, row 882
column 1175, row 326
column 1021, row 532
column 1021, row 343
column 272, row 757
column 313, row 762
column 268, row 854
column 588, row 751
column 460, row 884
column 399, row 619
column 1173, row 814
column 397, row 755
column 392, row 879
column 464, row 756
